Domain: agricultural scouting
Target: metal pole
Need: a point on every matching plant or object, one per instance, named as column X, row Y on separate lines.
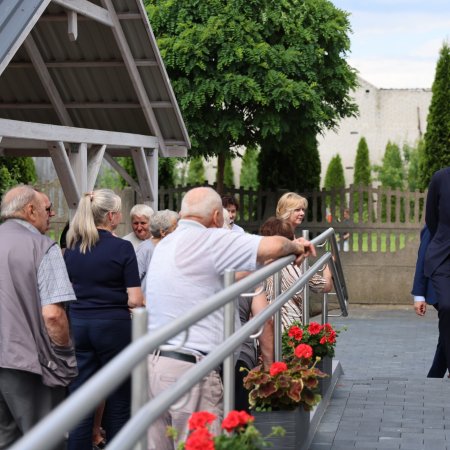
column 228, row 363
column 325, row 308
column 277, row 317
column 139, row 377
column 305, row 267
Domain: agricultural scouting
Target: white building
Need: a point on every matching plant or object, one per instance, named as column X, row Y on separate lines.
column 396, row 115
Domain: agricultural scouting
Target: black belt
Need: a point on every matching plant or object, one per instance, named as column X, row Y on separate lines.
column 180, row 356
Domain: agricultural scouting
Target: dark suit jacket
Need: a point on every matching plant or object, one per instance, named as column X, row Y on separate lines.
column 422, row 285
column 438, row 220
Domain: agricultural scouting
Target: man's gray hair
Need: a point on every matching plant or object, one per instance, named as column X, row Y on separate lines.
column 13, row 203
column 200, row 202
column 162, row 221
column 141, row 210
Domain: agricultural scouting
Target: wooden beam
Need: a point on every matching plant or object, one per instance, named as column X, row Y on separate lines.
column 72, row 25
column 86, row 105
column 134, row 75
column 122, row 172
column 143, row 174
column 78, row 161
column 87, row 9
column 44, row 132
column 47, row 81
column 65, row 173
column 95, row 158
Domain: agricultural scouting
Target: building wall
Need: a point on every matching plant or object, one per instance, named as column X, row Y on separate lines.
column 396, row 115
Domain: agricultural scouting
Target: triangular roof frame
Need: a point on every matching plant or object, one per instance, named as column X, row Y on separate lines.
column 82, row 81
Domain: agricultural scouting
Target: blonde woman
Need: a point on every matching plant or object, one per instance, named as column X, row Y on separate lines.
column 292, row 208
column 104, row 274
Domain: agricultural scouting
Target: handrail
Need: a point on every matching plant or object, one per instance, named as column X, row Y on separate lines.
column 50, row 431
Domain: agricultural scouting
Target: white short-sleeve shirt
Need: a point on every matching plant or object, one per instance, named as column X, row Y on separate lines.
column 186, row 269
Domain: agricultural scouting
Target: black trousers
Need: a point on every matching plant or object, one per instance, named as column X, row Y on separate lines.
column 24, row 400
column 439, row 366
column 441, row 285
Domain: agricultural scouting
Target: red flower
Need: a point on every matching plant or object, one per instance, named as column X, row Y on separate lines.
column 201, row 419
column 277, row 367
column 200, row 439
column 314, row 328
column 296, row 333
column 236, row 419
column 303, row 351
column 332, row 337
column 323, row 340
column 328, row 328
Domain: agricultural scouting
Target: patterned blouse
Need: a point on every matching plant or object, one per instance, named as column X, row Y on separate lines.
column 292, row 310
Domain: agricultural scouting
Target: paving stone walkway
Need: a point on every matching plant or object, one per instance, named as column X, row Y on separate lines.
column 384, row 400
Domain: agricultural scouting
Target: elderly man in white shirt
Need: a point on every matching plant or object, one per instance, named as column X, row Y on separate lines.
column 185, row 270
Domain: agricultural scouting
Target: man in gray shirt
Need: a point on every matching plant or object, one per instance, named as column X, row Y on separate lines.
column 37, row 358
column 186, row 269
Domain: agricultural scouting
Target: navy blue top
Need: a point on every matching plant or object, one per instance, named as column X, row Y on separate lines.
column 101, row 276
column 438, row 220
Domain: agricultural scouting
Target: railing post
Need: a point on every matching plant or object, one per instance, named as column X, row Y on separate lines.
column 139, row 377
column 277, row 317
column 325, row 308
column 305, row 267
column 228, row 363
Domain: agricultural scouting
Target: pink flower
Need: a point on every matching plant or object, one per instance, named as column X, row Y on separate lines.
column 277, row 367
column 303, row 351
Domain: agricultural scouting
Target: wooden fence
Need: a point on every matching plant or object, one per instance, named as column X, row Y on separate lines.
column 380, row 219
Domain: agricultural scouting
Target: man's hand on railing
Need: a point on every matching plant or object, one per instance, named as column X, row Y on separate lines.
column 308, row 250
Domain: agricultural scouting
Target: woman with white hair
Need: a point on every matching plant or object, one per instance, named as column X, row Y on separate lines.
column 140, row 216
column 103, row 271
column 162, row 224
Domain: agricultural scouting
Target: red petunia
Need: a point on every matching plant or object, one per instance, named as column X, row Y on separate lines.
column 236, row 419
column 332, row 337
column 296, row 333
column 200, row 439
column 303, row 351
column 201, row 419
column 328, row 328
column 277, row 367
column 314, row 328
column 323, row 340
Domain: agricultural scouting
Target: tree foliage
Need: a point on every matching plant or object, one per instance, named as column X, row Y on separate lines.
column 16, row 170
column 391, row 173
column 362, row 164
column 334, row 177
column 249, row 168
column 413, row 157
column 247, row 70
column 196, row 171
column 228, row 176
column 293, row 165
column 437, row 136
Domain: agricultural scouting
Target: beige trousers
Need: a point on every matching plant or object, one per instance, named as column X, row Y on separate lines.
column 205, row 396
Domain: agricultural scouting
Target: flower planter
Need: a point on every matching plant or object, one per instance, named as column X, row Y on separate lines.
column 325, row 365
column 296, row 424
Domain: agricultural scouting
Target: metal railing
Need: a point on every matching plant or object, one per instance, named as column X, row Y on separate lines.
column 51, row 430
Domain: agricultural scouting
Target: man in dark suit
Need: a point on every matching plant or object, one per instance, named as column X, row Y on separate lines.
column 423, row 294
column 437, row 256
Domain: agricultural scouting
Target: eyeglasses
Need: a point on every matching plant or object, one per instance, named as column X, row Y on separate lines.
column 49, row 209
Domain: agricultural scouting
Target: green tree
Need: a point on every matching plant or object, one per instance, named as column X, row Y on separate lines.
column 362, row 164
column 334, row 177
column 391, row 174
column 196, row 172
column 413, row 155
column 437, row 136
column 362, row 176
column 228, row 173
column 249, row 169
column 294, row 166
column 247, row 70
column 16, row 170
